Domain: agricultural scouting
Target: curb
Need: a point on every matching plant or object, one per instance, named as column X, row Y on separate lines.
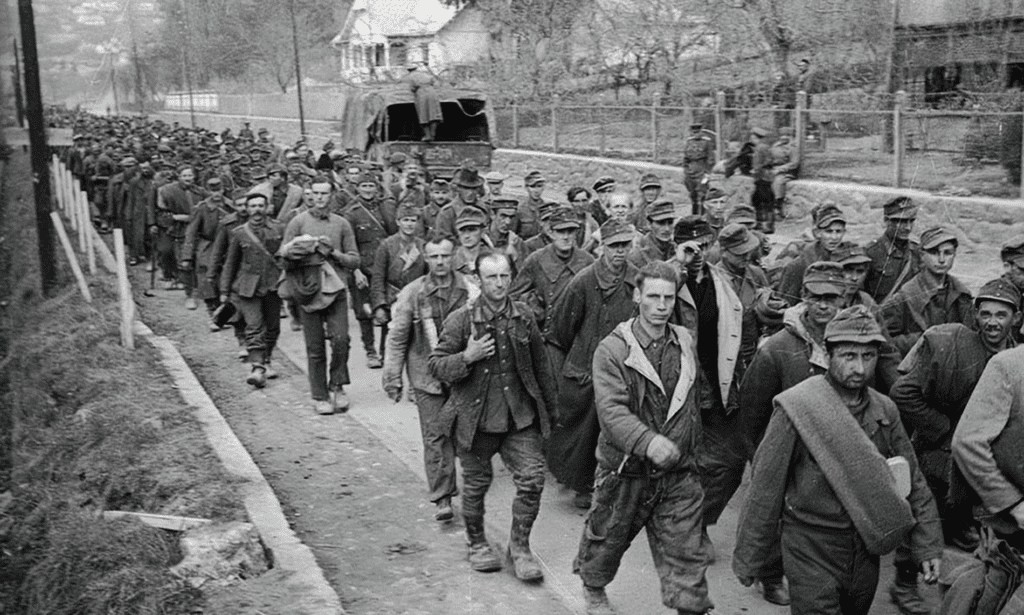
column 261, row 504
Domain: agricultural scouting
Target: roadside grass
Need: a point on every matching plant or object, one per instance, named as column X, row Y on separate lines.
column 88, row 426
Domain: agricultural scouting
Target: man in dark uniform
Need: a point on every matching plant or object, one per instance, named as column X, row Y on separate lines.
column 657, row 244
column 175, row 202
column 604, row 187
column 647, row 387
column 468, row 186
column 650, row 193
column 470, row 227
column 372, row 218
column 936, row 379
column 545, row 273
column 399, row 260
column 762, row 198
column 596, row 300
column 894, row 257
column 543, row 238
column 500, row 237
column 250, row 274
column 219, row 252
column 428, row 105
column 698, row 159
column 932, row 297
column 1012, row 255
column 492, row 356
column 200, row 235
column 528, row 222
column 829, row 230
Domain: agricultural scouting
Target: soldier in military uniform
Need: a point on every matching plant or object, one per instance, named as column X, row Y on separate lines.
column 657, row 244
column 543, row 238
column 698, row 159
column 785, row 163
column 650, row 191
column 1012, row 255
column 470, row 228
column 468, row 187
column 200, row 235
column 894, row 257
column 372, row 219
column 500, row 237
column 546, row 272
column 528, row 223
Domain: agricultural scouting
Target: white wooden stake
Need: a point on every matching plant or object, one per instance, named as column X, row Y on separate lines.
column 106, row 256
column 69, row 252
column 90, row 248
column 76, row 206
column 124, row 290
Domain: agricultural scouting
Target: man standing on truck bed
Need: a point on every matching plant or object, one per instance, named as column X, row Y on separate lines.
column 428, row 106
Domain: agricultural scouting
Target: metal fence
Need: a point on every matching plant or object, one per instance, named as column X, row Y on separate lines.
column 962, row 152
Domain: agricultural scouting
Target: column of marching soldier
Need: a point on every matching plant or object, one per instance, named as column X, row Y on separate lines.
column 643, row 358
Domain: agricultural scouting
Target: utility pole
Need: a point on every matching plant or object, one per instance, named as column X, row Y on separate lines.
column 186, row 71
column 37, row 142
column 140, row 92
column 19, row 102
column 298, row 70
column 113, row 84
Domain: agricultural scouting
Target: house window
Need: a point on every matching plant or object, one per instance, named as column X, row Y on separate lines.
column 378, row 55
column 425, row 54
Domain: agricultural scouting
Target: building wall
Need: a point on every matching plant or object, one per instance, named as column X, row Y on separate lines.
column 940, row 12
column 461, row 41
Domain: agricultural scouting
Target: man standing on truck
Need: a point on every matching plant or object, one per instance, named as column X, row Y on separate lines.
column 428, row 106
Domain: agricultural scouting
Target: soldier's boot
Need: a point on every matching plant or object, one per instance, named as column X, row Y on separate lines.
column 769, row 223
column 525, row 564
column 908, row 600
column 596, row 601
column 482, row 557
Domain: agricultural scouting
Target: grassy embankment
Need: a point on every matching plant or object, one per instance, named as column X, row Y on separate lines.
column 87, row 426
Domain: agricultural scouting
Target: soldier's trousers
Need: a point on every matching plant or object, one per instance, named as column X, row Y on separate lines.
column 830, row 571
column 438, row 448
column 522, row 454
column 669, row 507
column 317, row 327
column 262, row 324
column 361, row 305
column 697, row 191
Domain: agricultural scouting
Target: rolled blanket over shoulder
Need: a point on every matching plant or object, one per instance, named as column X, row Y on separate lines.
column 853, row 466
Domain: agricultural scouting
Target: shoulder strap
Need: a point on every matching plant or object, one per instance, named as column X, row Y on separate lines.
column 256, row 240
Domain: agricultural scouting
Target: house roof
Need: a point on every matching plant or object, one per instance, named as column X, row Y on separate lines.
column 947, row 12
column 372, row 21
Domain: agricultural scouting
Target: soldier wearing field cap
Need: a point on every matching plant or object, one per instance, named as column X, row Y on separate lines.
column 546, row 272
column 657, row 244
column 470, row 227
column 200, row 235
column 936, row 381
column 500, row 237
column 543, row 238
column 894, row 257
column 495, row 183
column 823, row 482
column 855, row 262
column 785, row 164
column 527, row 223
column 603, row 189
column 1012, row 256
column 933, row 296
column 650, row 193
column 468, row 188
column 828, row 230
column 698, row 159
column 597, row 299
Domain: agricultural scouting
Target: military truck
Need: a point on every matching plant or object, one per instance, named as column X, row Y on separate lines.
column 381, row 120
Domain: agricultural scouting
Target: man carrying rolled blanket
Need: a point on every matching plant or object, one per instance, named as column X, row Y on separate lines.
column 846, row 499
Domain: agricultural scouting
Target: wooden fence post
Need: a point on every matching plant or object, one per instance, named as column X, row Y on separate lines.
column 719, row 125
column 654, row 126
column 69, row 252
column 800, row 123
column 76, row 206
column 515, row 125
column 124, row 291
column 604, row 130
column 1022, row 157
column 897, row 138
column 90, row 248
column 554, row 123
column 106, row 256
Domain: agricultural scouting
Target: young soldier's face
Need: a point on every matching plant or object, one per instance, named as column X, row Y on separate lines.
column 855, row 275
column 655, row 299
column 440, row 197
column 651, row 194
column 439, row 257
column 995, row 320
column 469, row 236
column 832, row 235
column 535, row 191
column 939, row 260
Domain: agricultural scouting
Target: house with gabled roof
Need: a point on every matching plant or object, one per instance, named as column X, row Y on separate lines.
column 379, row 37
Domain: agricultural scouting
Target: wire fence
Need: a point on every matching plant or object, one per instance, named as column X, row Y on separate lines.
column 952, row 151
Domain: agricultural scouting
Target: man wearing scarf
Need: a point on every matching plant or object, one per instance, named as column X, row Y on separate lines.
column 595, row 301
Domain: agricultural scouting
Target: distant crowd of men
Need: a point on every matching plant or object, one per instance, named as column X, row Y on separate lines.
column 641, row 356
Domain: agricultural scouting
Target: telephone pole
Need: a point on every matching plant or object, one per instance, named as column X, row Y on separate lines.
column 298, row 69
column 37, row 143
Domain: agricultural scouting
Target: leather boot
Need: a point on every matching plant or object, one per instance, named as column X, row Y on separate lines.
column 482, row 557
column 597, row 601
column 780, row 213
column 526, row 566
column 907, row 599
column 769, row 223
